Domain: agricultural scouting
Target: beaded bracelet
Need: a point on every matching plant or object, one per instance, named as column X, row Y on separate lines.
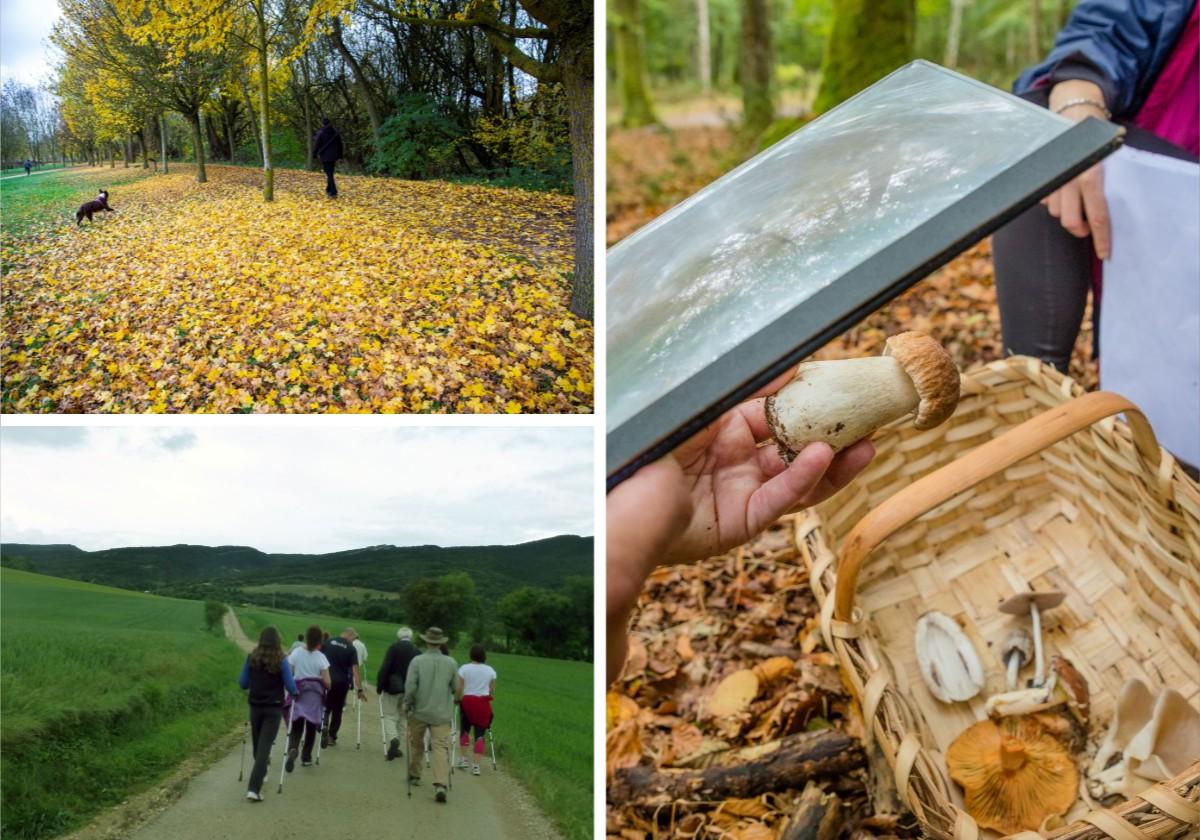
column 1071, row 103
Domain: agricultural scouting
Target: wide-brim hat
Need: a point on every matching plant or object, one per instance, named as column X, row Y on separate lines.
column 434, row 636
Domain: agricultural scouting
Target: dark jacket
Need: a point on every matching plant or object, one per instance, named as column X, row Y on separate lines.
column 266, row 689
column 327, row 145
column 1121, row 45
column 395, row 664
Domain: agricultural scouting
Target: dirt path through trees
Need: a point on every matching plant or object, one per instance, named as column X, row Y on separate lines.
column 351, row 794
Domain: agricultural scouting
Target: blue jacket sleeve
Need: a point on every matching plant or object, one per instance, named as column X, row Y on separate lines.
column 244, row 679
column 288, row 681
column 1122, row 45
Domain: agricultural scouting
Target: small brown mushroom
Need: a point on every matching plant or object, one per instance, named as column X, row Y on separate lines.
column 1034, row 603
column 1018, row 648
column 840, row 402
column 1013, row 774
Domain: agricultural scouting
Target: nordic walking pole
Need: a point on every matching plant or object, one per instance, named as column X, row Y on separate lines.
column 286, row 746
column 382, row 734
column 358, row 706
column 242, row 766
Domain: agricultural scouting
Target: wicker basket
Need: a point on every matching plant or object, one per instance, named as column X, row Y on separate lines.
column 1071, row 499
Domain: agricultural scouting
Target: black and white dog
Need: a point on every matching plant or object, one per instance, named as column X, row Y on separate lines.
column 97, row 204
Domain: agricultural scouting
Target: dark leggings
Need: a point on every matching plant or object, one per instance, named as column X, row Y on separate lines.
column 1043, row 272
column 335, row 702
column 310, row 735
column 330, row 187
column 264, row 726
column 466, row 727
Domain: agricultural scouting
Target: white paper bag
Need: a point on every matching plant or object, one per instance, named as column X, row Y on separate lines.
column 1150, row 304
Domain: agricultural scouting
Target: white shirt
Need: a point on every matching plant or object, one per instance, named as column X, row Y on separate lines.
column 477, row 679
column 306, row 663
column 362, row 655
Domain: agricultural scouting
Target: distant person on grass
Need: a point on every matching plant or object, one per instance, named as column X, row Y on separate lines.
column 430, row 691
column 327, row 146
column 477, row 687
column 389, row 685
column 343, row 673
column 267, row 674
column 308, row 663
column 28, row 165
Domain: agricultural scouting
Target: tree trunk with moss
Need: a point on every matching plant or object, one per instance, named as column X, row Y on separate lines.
column 636, row 108
column 198, row 147
column 756, row 66
column 868, row 40
column 578, row 85
column 264, row 103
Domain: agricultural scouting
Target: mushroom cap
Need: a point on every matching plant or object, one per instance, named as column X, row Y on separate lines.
column 1018, row 641
column 1073, row 685
column 1019, row 604
column 1013, row 774
column 932, row 372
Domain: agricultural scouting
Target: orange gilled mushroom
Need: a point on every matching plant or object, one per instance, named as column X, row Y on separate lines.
column 1014, row 775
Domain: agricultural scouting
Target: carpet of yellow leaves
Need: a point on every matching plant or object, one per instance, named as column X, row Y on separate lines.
column 396, row 297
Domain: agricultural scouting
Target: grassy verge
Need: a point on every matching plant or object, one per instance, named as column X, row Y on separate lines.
column 53, row 198
column 105, row 691
column 543, row 710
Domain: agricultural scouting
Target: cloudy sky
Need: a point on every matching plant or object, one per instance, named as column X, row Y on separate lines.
column 25, row 54
column 291, row 489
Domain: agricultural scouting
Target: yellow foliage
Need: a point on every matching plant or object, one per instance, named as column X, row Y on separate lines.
column 398, row 296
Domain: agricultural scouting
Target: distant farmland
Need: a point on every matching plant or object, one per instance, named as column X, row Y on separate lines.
column 318, row 590
column 105, row 691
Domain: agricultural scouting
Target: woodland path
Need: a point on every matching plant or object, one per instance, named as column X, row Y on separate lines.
column 352, row 794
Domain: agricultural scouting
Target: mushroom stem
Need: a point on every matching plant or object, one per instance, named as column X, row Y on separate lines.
column 840, row 402
column 1039, row 662
column 1012, row 754
column 1014, row 665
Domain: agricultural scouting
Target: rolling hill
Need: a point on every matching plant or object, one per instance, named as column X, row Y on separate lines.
column 496, row 569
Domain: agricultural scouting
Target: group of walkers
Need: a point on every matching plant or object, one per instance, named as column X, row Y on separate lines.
column 418, row 691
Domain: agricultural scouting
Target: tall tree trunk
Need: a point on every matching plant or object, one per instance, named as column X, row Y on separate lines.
column 1061, row 12
column 264, row 101
column 1035, row 31
column 162, row 123
column 128, row 148
column 868, row 40
column 112, row 155
column 229, row 135
column 576, row 63
column 636, row 109
column 954, row 34
column 360, row 79
column 703, row 47
column 198, row 146
column 757, row 108
column 145, row 147
column 253, row 115
column 308, row 126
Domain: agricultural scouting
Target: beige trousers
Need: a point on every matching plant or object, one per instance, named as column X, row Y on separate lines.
column 440, row 739
column 394, row 719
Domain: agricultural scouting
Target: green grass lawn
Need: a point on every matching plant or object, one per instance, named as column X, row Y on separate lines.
column 543, row 725
column 104, row 692
column 30, row 204
column 319, row 590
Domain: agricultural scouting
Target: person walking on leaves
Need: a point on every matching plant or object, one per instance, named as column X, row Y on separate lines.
column 328, row 148
column 389, row 685
column 268, row 675
column 343, row 673
column 430, row 691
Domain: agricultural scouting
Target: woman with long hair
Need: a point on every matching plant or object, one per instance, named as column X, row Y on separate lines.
column 267, row 674
column 477, row 685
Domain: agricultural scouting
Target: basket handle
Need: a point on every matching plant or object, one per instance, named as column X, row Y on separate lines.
column 923, row 495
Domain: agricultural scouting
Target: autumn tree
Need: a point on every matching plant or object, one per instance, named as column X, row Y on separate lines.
column 868, row 40
column 566, row 27
column 629, row 39
column 757, row 67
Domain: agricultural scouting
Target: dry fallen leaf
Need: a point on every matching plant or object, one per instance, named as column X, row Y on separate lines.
column 733, row 694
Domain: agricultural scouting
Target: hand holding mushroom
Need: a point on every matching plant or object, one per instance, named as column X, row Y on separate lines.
column 839, row 402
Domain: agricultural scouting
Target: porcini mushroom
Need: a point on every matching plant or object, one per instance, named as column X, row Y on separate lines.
column 1034, row 603
column 1013, row 774
column 1018, row 647
column 947, row 659
column 840, row 402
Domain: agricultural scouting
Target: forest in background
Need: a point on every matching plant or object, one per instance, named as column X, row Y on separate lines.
column 752, row 62
column 494, row 92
